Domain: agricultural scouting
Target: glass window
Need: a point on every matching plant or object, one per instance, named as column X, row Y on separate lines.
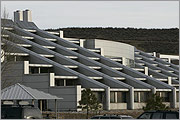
column 98, row 96
column 165, row 96
column 121, row 97
column 143, row 96
column 33, row 70
column 70, row 82
column 177, row 96
column 135, row 96
column 145, row 116
column 157, row 116
column 59, row 82
column 112, row 97
column 171, row 116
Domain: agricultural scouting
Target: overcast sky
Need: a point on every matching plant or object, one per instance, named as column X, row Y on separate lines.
column 138, row 14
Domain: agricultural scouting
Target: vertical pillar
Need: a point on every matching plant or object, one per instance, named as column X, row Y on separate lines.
column 131, row 99
column 33, row 102
column 146, row 70
column 41, row 105
column 78, row 92
column 107, row 90
column 169, row 60
column 52, row 79
column 169, row 80
column 102, row 51
column 56, row 108
column 61, row 34
column 173, row 102
column 154, row 54
column 39, row 70
column 26, row 67
column 115, row 97
column 139, row 97
column 153, row 90
column 124, row 61
column 82, row 42
column 64, row 82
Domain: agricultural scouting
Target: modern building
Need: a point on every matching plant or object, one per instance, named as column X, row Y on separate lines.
column 121, row 76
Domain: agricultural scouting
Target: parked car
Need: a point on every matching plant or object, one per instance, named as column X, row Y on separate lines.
column 112, row 117
column 159, row 115
column 20, row 112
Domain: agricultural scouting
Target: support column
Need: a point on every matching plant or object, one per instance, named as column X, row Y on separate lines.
column 26, row 67
column 153, row 90
column 169, row 81
column 146, row 70
column 61, row 34
column 52, row 79
column 131, row 98
column 56, row 108
column 82, row 42
column 107, row 90
column 124, row 61
column 78, row 92
column 173, row 102
column 64, row 82
column 115, row 97
column 41, row 105
column 32, row 102
column 169, row 60
column 154, row 54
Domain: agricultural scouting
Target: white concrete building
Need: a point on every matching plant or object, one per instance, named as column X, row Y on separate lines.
column 121, row 76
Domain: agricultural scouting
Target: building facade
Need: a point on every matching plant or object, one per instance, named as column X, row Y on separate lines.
column 120, row 76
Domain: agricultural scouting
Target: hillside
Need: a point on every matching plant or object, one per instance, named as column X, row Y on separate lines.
column 164, row 41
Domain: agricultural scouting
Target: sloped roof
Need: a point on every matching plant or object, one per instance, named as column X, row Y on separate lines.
column 21, row 92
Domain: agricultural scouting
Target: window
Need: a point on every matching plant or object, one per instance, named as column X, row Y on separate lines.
column 171, row 116
column 98, row 96
column 70, row 82
column 59, row 82
column 135, row 96
column 157, row 116
column 33, row 70
column 145, row 116
column 165, row 96
column 112, row 97
column 121, row 97
column 177, row 96
column 143, row 96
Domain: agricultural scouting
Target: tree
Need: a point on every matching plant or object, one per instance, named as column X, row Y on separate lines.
column 89, row 101
column 155, row 103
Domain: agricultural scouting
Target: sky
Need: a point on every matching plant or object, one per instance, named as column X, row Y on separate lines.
column 136, row 14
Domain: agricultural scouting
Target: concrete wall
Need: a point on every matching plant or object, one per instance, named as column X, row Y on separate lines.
column 12, row 73
column 115, row 49
column 71, row 96
column 139, row 105
column 116, row 106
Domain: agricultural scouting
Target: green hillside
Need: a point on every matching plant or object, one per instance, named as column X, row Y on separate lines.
column 164, row 41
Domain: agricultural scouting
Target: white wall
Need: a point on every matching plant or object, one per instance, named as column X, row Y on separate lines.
column 115, row 49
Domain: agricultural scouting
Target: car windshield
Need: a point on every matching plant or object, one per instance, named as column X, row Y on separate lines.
column 33, row 113
column 145, row 116
column 10, row 113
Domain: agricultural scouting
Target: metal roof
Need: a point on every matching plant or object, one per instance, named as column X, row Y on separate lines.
column 21, row 92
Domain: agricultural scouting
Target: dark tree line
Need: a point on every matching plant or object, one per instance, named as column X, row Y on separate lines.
column 160, row 40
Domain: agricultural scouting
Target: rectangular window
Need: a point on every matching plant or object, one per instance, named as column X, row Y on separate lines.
column 177, row 96
column 59, row 82
column 112, row 97
column 135, row 96
column 121, row 97
column 143, row 96
column 165, row 96
column 98, row 96
column 70, row 82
